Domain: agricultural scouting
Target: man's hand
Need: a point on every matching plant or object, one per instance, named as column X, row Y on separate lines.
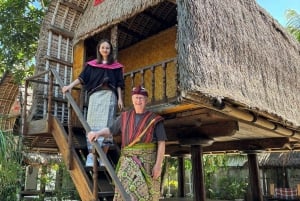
column 92, row 136
column 156, row 171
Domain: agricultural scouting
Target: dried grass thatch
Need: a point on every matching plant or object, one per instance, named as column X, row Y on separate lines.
column 234, row 49
column 8, row 94
column 276, row 159
column 100, row 17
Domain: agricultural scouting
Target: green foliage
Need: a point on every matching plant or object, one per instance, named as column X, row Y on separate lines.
column 232, row 188
column 212, row 163
column 20, row 23
column 10, row 167
column 293, row 25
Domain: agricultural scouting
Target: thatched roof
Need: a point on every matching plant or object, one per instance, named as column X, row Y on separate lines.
column 234, row 50
column 277, row 159
column 108, row 14
column 8, row 94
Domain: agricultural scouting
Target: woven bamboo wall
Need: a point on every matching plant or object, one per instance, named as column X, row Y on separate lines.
column 150, row 51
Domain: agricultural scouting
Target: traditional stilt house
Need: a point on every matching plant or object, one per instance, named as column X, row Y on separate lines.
column 223, row 74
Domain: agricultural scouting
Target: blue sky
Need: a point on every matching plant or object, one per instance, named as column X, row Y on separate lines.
column 277, row 8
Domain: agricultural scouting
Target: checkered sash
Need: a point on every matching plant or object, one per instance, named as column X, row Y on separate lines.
column 286, row 193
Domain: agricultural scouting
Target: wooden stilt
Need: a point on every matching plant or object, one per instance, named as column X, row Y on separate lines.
column 198, row 173
column 255, row 186
column 181, row 177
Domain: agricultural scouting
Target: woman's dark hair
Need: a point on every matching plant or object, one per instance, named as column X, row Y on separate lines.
column 110, row 58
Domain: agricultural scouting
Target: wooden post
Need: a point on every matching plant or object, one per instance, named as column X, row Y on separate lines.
column 255, row 193
column 181, row 176
column 114, row 39
column 272, row 189
column 95, row 175
column 70, row 138
column 198, row 173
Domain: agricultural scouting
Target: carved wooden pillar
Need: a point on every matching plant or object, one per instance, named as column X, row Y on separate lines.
column 254, row 189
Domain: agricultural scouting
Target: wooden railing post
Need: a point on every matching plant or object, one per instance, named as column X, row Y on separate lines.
column 153, row 84
column 164, row 68
column 50, row 94
column 95, row 175
column 70, row 138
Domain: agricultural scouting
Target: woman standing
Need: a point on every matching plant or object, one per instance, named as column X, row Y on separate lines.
column 103, row 80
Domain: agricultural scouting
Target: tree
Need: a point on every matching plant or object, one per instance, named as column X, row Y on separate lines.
column 293, row 25
column 19, row 31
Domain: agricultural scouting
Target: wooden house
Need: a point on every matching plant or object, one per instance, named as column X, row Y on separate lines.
column 223, row 74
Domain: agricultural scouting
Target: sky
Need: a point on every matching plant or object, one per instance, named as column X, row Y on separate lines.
column 277, row 8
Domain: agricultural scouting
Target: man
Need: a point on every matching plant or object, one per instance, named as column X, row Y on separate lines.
column 142, row 149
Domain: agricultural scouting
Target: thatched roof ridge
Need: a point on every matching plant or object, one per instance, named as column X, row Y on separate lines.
column 108, row 13
column 233, row 49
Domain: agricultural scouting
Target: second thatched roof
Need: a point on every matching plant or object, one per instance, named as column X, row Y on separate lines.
column 234, row 50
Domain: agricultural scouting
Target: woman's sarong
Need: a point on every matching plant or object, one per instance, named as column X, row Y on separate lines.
column 135, row 173
column 101, row 111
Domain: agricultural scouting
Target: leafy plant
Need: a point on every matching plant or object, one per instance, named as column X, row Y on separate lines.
column 10, row 167
column 232, row 188
column 293, row 25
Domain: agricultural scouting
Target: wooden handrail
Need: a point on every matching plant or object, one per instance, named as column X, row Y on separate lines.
column 87, row 128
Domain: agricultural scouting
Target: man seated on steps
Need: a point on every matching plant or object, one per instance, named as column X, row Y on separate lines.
column 142, row 148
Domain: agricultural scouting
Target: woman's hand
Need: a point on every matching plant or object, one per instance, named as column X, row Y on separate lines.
column 120, row 104
column 65, row 89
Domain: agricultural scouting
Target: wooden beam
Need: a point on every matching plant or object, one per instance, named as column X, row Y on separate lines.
column 59, row 31
column 247, row 145
column 212, row 130
column 134, row 34
column 72, row 6
column 239, row 145
column 172, row 1
column 60, row 61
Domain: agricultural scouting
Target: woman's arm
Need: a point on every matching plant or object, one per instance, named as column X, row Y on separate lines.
column 120, row 99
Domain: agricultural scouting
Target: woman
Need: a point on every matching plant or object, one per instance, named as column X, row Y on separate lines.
column 103, row 80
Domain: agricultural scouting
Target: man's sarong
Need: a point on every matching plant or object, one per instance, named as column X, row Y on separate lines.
column 135, row 173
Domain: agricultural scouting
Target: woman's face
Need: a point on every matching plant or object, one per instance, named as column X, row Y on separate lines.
column 104, row 49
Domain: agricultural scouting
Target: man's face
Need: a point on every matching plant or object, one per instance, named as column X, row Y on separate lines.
column 139, row 101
